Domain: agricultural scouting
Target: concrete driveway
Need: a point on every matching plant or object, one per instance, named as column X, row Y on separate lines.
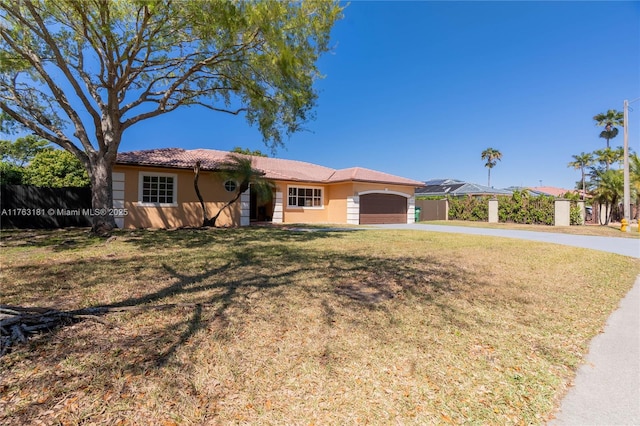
column 624, row 246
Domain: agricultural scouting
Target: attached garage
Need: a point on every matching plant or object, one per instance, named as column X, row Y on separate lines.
column 302, row 193
column 382, row 208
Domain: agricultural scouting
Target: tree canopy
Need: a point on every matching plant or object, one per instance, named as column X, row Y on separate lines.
column 247, row 151
column 21, row 151
column 80, row 73
column 610, row 120
column 30, row 160
column 55, row 168
column 581, row 162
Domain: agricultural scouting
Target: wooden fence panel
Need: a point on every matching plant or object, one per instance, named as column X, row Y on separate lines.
column 433, row 209
column 29, row 207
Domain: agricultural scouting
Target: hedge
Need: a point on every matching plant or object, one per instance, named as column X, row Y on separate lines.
column 517, row 208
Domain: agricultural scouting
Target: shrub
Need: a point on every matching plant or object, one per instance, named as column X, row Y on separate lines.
column 521, row 208
column 469, row 208
column 517, row 208
column 575, row 217
column 56, row 168
column 11, row 174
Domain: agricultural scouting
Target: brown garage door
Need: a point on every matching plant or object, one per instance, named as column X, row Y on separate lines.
column 382, row 208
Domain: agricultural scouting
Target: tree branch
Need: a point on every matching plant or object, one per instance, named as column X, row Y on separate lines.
column 18, row 323
column 61, row 63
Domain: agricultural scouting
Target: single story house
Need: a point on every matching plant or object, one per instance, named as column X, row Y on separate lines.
column 155, row 188
column 551, row 191
column 456, row 188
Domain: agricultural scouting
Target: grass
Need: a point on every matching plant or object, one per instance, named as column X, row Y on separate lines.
column 346, row 327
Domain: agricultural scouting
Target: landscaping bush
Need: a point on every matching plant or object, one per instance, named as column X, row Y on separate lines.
column 522, row 208
column 575, row 217
column 517, row 208
column 469, row 208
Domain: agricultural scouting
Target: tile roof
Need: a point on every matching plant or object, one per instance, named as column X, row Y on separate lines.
column 168, row 157
column 368, row 175
column 437, row 187
column 274, row 168
column 550, row 190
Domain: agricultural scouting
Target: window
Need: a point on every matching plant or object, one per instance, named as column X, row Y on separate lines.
column 158, row 188
column 305, row 197
column 230, row 185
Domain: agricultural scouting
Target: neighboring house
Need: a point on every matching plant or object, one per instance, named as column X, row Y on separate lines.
column 550, row 191
column 156, row 189
column 456, row 188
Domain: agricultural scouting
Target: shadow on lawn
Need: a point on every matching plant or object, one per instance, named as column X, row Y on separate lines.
column 57, row 239
column 196, row 299
column 354, row 281
column 62, row 278
column 202, row 237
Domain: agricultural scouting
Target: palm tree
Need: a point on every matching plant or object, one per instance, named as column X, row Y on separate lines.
column 238, row 168
column 609, row 156
column 610, row 121
column 581, row 161
column 609, row 188
column 492, row 156
column 609, row 134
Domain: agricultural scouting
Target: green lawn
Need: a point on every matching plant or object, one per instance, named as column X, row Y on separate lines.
column 274, row 326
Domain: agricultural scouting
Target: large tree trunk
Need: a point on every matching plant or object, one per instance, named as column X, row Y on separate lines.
column 102, row 195
column 241, row 189
column 205, row 221
column 607, row 216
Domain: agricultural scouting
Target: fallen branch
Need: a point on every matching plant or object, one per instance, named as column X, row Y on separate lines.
column 18, row 323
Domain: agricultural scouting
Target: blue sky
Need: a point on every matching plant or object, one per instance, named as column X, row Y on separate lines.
column 420, row 89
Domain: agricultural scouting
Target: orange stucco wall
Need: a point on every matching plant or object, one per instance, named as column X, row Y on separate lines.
column 337, row 205
column 335, row 200
column 302, row 214
column 365, row 186
column 188, row 211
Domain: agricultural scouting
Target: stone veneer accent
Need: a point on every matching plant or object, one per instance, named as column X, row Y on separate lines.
column 353, row 210
column 245, row 208
column 411, row 210
column 118, row 196
column 277, row 208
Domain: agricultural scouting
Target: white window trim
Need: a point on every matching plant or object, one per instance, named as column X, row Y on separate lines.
column 289, row 206
column 224, row 185
column 141, row 176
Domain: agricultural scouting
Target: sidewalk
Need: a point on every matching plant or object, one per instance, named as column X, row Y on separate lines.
column 606, row 390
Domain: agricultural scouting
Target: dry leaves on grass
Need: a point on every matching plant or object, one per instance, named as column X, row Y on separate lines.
column 314, row 328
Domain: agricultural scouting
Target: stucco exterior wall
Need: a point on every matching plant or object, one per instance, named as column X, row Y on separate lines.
column 303, row 214
column 338, row 194
column 338, row 199
column 187, row 211
column 366, row 186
